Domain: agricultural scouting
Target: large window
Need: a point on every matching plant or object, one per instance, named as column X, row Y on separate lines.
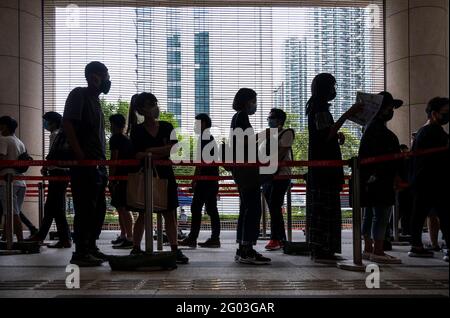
column 194, row 58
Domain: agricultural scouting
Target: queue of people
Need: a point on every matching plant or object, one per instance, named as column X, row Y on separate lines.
column 80, row 134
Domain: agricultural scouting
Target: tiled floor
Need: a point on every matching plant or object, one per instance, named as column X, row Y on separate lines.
column 213, row 272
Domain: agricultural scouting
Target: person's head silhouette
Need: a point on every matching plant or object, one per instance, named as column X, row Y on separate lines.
column 97, row 77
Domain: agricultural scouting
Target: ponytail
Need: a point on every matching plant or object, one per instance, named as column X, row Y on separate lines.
column 132, row 117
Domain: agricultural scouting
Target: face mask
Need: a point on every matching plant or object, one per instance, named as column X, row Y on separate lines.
column 273, row 123
column 387, row 116
column 252, row 109
column 444, row 119
column 105, row 86
column 332, row 95
column 154, row 112
column 46, row 125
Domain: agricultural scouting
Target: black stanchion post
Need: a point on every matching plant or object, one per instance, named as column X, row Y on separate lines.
column 9, row 212
column 264, row 235
column 289, row 212
column 40, row 203
column 356, row 264
column 159, row 231
column 395, row 221
column 148, row 203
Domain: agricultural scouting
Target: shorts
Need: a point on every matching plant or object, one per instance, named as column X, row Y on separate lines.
column 18, row 198
column 119, row 195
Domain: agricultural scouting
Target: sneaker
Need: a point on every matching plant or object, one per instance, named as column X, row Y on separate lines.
column 187, row 242
column 445, row 258
column 385, row 259
column 119, row 239
column 254, row 258
column 237, row 256
column 98, row 254
column 366, row 256
column 420, row 252
column 34, row 238
column 136, row 251
column 273, row 245
column 210, row 243
column 126, row 244
column 61, row 244
column 85, row 260
column 34, row 231
column 181, row 258
column 433, row 248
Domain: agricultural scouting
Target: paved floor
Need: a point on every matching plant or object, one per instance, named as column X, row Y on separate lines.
column 213, row 273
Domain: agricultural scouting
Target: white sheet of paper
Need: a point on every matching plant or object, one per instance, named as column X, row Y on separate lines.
column 372, row 104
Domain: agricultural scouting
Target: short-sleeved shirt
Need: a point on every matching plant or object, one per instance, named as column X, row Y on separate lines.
column 321, row 147
column 11, row 148
column 285, row 139
column 211, row 143
column 142, row 140
column 377, row 180
column 430, row 173
column 85, row 112
column 242, row 121
column 122, row 144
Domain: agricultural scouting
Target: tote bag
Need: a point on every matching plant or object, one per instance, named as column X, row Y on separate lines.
column 136, row 193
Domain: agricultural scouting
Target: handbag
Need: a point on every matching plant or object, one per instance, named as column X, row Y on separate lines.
column 136, row 192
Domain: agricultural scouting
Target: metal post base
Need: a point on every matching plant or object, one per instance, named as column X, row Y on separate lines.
column 144, row 262
column 10, row 252
column 264, row 237
column 22, row 247
column 351, row 266
column 400, row 243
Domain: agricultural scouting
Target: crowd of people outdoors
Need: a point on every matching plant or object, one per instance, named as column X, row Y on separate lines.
column 418, row 184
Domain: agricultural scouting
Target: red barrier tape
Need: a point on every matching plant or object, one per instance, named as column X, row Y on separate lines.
column 304, row 163
column 401, row 156
column 67, row 163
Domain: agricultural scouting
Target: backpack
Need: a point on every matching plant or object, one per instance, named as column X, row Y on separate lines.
column 23, row 157
column 60, row 149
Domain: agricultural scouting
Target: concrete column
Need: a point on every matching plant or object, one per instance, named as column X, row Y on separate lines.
column 21, row 76
column 416, row 59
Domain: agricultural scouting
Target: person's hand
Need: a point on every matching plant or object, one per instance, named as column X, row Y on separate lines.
column 355, row 109
column 341, row 138
column 44, row 171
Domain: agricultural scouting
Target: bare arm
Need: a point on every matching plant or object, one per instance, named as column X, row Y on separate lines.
column 356, row 108
column 69, row 130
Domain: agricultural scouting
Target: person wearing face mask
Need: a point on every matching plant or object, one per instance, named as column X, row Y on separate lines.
column 275, row 190
column 430, row 176
column 11, row 148
column 378, row 181
column 153, row 136
column 323, row 205
column 247, row 180
column 55, row 205
column 205, row 191
column 84, row 126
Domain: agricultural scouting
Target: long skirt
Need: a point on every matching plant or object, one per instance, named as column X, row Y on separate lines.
column 324, row 220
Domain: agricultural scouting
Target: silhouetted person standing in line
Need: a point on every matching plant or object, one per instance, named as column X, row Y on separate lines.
column 205, row 191
column 323, row 204
column 430, row 176
column 247, row 180
column 55, row 205
column 84, row 126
